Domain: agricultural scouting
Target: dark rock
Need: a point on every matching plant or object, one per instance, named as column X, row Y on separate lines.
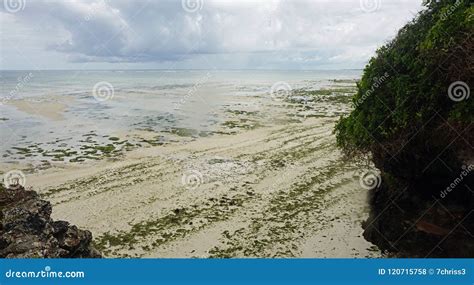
column 409, row 225
column 27, row 230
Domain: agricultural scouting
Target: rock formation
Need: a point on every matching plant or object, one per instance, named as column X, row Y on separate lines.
column 27, row 230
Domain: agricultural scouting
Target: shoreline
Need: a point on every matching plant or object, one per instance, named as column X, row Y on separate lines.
column 223, row 203
column 273, row 185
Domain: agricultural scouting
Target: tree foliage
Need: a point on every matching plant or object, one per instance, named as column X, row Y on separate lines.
column 403, row 93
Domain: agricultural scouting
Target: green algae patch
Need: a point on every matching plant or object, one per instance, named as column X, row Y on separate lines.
column 176, row 224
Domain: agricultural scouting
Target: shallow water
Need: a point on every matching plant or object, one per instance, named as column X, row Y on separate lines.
column 218, row 165
column 54, row 115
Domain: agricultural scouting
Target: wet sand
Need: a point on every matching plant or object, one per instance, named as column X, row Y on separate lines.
column 52, row 109
column 279, row 188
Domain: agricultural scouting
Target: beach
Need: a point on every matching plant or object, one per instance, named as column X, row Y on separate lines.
column 265, row 179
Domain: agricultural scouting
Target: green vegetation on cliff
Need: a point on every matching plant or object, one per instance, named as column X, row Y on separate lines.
column 404, row 89
column 413, row 116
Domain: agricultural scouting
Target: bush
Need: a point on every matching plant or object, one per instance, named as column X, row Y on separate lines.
column 402, row 99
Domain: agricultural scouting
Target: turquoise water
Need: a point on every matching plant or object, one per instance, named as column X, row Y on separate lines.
column 142, row 100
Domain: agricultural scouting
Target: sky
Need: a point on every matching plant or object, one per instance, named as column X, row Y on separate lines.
column 197, row 34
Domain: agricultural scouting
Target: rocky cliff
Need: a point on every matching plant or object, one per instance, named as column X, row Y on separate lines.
column 27, row 230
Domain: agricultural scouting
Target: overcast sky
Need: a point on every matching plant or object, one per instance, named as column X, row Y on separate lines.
column 203, row 34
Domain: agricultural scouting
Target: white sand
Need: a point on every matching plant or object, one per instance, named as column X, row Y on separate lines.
column 282, row 189
column 278, row 191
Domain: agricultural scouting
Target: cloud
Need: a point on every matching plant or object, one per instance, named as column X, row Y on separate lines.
column 301, row 33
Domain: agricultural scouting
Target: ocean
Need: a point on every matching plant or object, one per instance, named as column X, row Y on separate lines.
column 76, row 115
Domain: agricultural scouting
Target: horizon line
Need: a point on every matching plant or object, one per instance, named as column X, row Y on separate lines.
column 182, row 69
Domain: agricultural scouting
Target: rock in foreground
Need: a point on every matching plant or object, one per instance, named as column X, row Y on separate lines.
column 27, row 230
